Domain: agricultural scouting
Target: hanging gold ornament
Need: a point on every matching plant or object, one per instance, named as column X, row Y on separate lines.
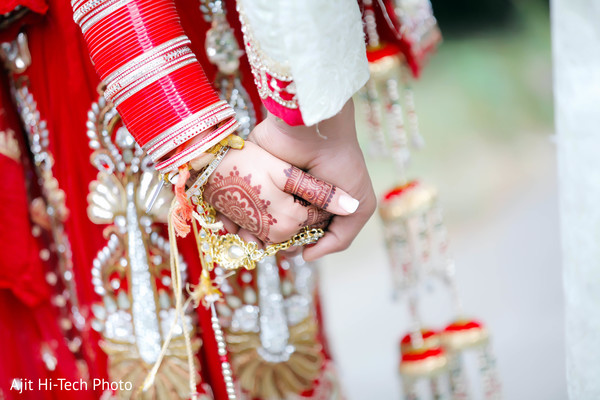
column 131, row 273
column 423, row 359
column 468, row 335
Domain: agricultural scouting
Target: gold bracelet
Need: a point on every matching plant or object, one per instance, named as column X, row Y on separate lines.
column 230, row 251
column 233, row 141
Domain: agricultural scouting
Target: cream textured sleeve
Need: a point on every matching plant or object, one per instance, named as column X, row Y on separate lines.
column 321, row 44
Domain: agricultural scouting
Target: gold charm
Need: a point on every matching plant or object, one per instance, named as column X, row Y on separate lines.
column 132, row 272
column 229, row 250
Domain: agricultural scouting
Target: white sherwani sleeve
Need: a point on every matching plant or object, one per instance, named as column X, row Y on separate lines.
column 319, row 43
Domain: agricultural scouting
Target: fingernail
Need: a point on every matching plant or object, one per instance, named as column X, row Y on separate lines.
column 348, row 203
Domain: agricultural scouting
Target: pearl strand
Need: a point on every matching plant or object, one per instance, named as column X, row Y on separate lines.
column 222, row 351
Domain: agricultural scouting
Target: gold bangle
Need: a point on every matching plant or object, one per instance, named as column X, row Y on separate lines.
column 230, row 251
column 233, row 141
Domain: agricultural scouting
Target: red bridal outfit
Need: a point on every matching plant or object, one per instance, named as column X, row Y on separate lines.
column 40, row 324
column 99, row 98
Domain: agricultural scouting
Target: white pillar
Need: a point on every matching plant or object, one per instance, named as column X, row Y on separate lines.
column 576, row 48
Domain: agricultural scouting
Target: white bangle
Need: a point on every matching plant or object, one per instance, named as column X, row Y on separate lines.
column 191, row 132
column 196, row 149
column 203, row 178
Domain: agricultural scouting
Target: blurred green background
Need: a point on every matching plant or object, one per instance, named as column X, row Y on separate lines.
column 484, row 103
column 485, row 109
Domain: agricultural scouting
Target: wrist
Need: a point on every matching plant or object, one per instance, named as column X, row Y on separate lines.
column 339, row 127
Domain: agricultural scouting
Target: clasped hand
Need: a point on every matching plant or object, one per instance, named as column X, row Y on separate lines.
column 287, row 178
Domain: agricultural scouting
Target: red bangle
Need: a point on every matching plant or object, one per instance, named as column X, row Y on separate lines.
column 198, row 148
column 139, row 48
column 170, row 99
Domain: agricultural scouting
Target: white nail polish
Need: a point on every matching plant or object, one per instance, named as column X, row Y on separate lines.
column 348, row 203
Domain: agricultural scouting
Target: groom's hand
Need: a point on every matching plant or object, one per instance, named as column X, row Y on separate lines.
column 337, row 160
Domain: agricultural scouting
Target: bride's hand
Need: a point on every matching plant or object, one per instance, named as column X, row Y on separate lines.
column 264, row 199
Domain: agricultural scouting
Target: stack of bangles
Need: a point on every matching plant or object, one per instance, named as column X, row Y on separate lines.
column 154, row 80
column 157, row 85
column 210, row 159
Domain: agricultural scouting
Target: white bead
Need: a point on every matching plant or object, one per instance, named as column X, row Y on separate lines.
column 235, row 252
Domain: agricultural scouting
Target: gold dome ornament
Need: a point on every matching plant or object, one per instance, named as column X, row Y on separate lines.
column 277, row 377
column 415, row 236
column 423, row 358
column 465, row 336
column 417, row 247
column 407, row 200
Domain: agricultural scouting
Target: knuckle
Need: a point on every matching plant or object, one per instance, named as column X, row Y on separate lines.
column 292, row 221
column 342, row 245
column 297, row 213
column 284, row 229
column 370, row 204
column 371, row 207
column 277, row 237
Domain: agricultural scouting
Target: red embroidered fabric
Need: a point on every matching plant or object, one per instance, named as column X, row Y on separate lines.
column 291, row 116
column 64, row 83
column 29, row 322
column 21, row 270
column 37, row 6
column 14, row 25
column 416, row 54
column 27, row 333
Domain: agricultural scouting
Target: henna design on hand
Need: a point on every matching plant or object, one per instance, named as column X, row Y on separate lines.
column 317, row 218
column 235, row 197
column 301, row 201
column 307, row 187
